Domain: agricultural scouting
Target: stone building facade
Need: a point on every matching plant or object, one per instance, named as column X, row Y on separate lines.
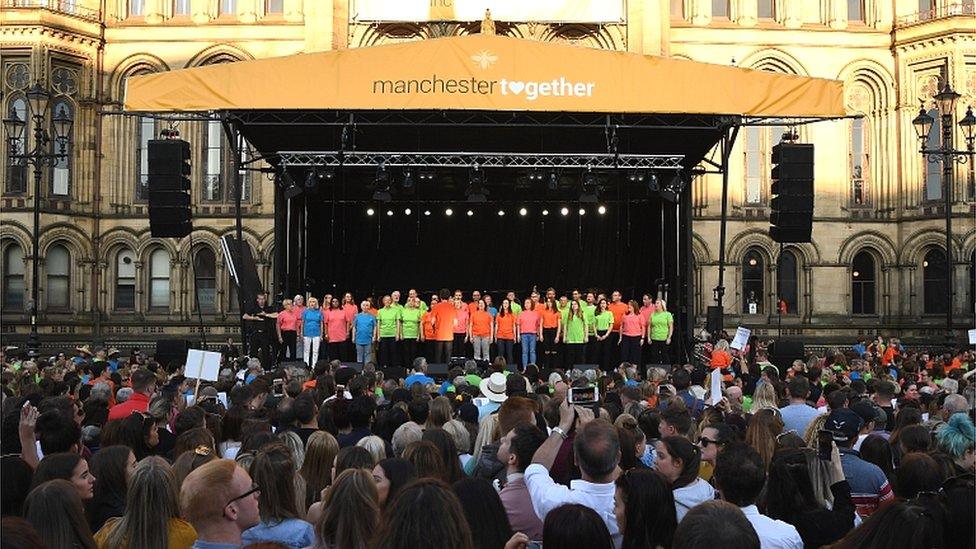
column 877, row 258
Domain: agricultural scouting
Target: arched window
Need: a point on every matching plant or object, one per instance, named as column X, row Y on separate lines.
column 205, row 276
column 787, row 285
column 16, row 169
column 57, row 263
column 61, row 169
column 213, row 182
column 859, row 168
column 13, row 278
column 125, row 280
column 863, row 284
column 753, row 271
column 759, row 144
column 934, row 270
column 146, row 131
column 932, row 171
column 159, row 280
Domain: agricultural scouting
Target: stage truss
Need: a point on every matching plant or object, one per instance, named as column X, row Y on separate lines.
column 476, row 160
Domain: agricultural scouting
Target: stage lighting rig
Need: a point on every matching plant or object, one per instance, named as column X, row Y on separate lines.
column 653, row 184
column 407, row 182
column 673, row 189
column 636, row 176
column 382, row 182
column 589, row 194
column 476, row 192
column 426, row 175
column 553, row 184
column 292, row 190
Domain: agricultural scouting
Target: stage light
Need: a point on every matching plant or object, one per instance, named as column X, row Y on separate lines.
column 425, row 175
column 636, row 176
column 564, row 211
column 382, row 181
column 470, row 213
column 601, row 210
column 545, row 212
column 370, row 211
column 523, row 212
column 427, row 212
column 448, row 212
column 326, row 175
column 553, row 181
column 407, row 183
column 501, row 213
column 476, row 192
column 653, row 185
column 672, row 190
column 536, row 175
column 291, row 189
column 582, row 211
column 590, row 187
column 389, row 213
column 408, row 211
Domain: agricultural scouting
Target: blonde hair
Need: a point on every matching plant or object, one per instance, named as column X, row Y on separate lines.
column 486, row 433
column 313, row 301
column 320, row 454
column 815, row 425
column 764, row 397
column 404, row 435
column 375, row 446
column 460, row 434
column 152, row 500
column 294, row 444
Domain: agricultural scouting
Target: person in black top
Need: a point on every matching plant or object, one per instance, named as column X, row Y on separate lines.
column 260, row 323
column 229, row 350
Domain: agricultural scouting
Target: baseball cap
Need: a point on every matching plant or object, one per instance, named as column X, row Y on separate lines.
column 869, row 411
column 844, row 424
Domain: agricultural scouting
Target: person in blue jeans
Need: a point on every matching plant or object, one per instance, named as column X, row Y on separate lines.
column 529, row 325
column 363, row 332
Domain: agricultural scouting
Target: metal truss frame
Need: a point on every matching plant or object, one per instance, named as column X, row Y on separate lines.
column 599, row 161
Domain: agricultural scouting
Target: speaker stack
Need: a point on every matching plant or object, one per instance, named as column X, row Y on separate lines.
column 169, row 188
column 792, row 204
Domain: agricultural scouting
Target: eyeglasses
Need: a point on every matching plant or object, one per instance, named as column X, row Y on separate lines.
column 255, row 489
column 704, row 441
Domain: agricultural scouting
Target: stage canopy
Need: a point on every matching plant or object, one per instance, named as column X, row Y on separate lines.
column 485, row 73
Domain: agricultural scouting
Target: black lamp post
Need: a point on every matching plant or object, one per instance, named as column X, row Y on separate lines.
column 40, row 156
column 948, row 155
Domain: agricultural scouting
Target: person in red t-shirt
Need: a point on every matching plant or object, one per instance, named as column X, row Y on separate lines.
column 480, row 331
column 287, row 327
column 618, row 308
column 337, row 329
column 505, row 331
column 444, row 320
column 461, row 320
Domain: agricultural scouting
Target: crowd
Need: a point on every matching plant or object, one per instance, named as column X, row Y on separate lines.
column 869, row 446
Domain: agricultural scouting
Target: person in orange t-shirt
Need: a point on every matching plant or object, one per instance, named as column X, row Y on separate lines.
column 505, row 331
column 444, row 320
column 722, row 359
column 618, row 308
column 479, row 332
column 551, row 331
column 427, row 333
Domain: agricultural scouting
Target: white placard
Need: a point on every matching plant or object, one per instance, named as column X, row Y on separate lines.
column 561, row 11
column 203, row 365
column 716, row 387
column 972, row 336
column 741, row 338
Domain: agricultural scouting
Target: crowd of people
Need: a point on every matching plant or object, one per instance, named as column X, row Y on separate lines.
column 546, row 330
column 867, row 446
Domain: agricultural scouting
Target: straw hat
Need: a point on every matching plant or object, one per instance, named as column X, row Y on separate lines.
column 493, row 387
column 113, row 351
column 84, row 349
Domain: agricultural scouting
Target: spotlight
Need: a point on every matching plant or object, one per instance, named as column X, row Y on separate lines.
column 425, row 175
column 291, row 189
column 545, row 212
column 370, row 211
column 553, row 182
column 653, row 185
column 673, row 189
column 476, row 192
column 407, row 183
column 408, row 211
column 427, row 212
column 312, row 181
column 327, row 174
column 501, row 213
column 389, row 213
column 601, row 210
column 590, row 188
column 470, row 213
column 589, row 178
column 582, row 211
column 636, row 176
column 448, row 212
column 564, row 211
column 523, row 212
column 536, row 175
column 382, row 180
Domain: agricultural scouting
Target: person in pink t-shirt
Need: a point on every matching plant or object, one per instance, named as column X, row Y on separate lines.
column 287, row 328
column 631, row 334
column 529, row 331
column 349, row 307
column 337, row 328
column 462, row 315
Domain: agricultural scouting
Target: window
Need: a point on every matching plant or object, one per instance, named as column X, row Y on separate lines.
column 855, row 11
column 228, row 7
column 677, row 9
column 720, row 8
column 752, row 283
column 766, row 9
column 181, row 7
column 786, row 280
column 932, row 171
column 859, row 162
column 16, row 168
column 205, row 276
column 274, row 6
column 214, row 160
column 125, row 281
column 13, row 278
column 146, row 131
column 58, row 266
column 159, row 280
column 934, row 270
column 754, row 164
column 232, row 289
column 137, row 7
column 61, row 169
column 862, row 284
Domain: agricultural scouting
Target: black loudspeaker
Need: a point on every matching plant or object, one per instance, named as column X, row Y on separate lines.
column 437, row 370
column 169, row 188
column 716, row 319
column 243, row 271
column 782, row 353
column 358, row 366
column 791, row 215
column 168, row 350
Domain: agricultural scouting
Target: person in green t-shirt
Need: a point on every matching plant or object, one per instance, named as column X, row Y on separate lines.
column 602, row 324
column 516, row 308
column 412, row 294
column 388, row 320
column 659, row 332
column 395, row 300
column 410, row 330
column 575, row 334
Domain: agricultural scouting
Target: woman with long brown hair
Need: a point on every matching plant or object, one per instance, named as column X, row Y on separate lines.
column 351, row 514
column 320, row 454
column 551, row 332
column 763, row 433
column 273, row 470
column 55, row 511
column 152, row 512
column 426, row 458
column 425, row 514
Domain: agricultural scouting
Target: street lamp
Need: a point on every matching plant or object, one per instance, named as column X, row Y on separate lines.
column 948, row 155
column 42, row 155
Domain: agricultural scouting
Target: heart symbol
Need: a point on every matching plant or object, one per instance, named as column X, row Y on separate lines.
column 516, row 87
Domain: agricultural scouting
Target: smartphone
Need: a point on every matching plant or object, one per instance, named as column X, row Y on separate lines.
column 584, row 395
column 278, row 387
column 825, row 441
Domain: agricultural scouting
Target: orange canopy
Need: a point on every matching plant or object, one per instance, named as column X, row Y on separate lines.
column 485, row 72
